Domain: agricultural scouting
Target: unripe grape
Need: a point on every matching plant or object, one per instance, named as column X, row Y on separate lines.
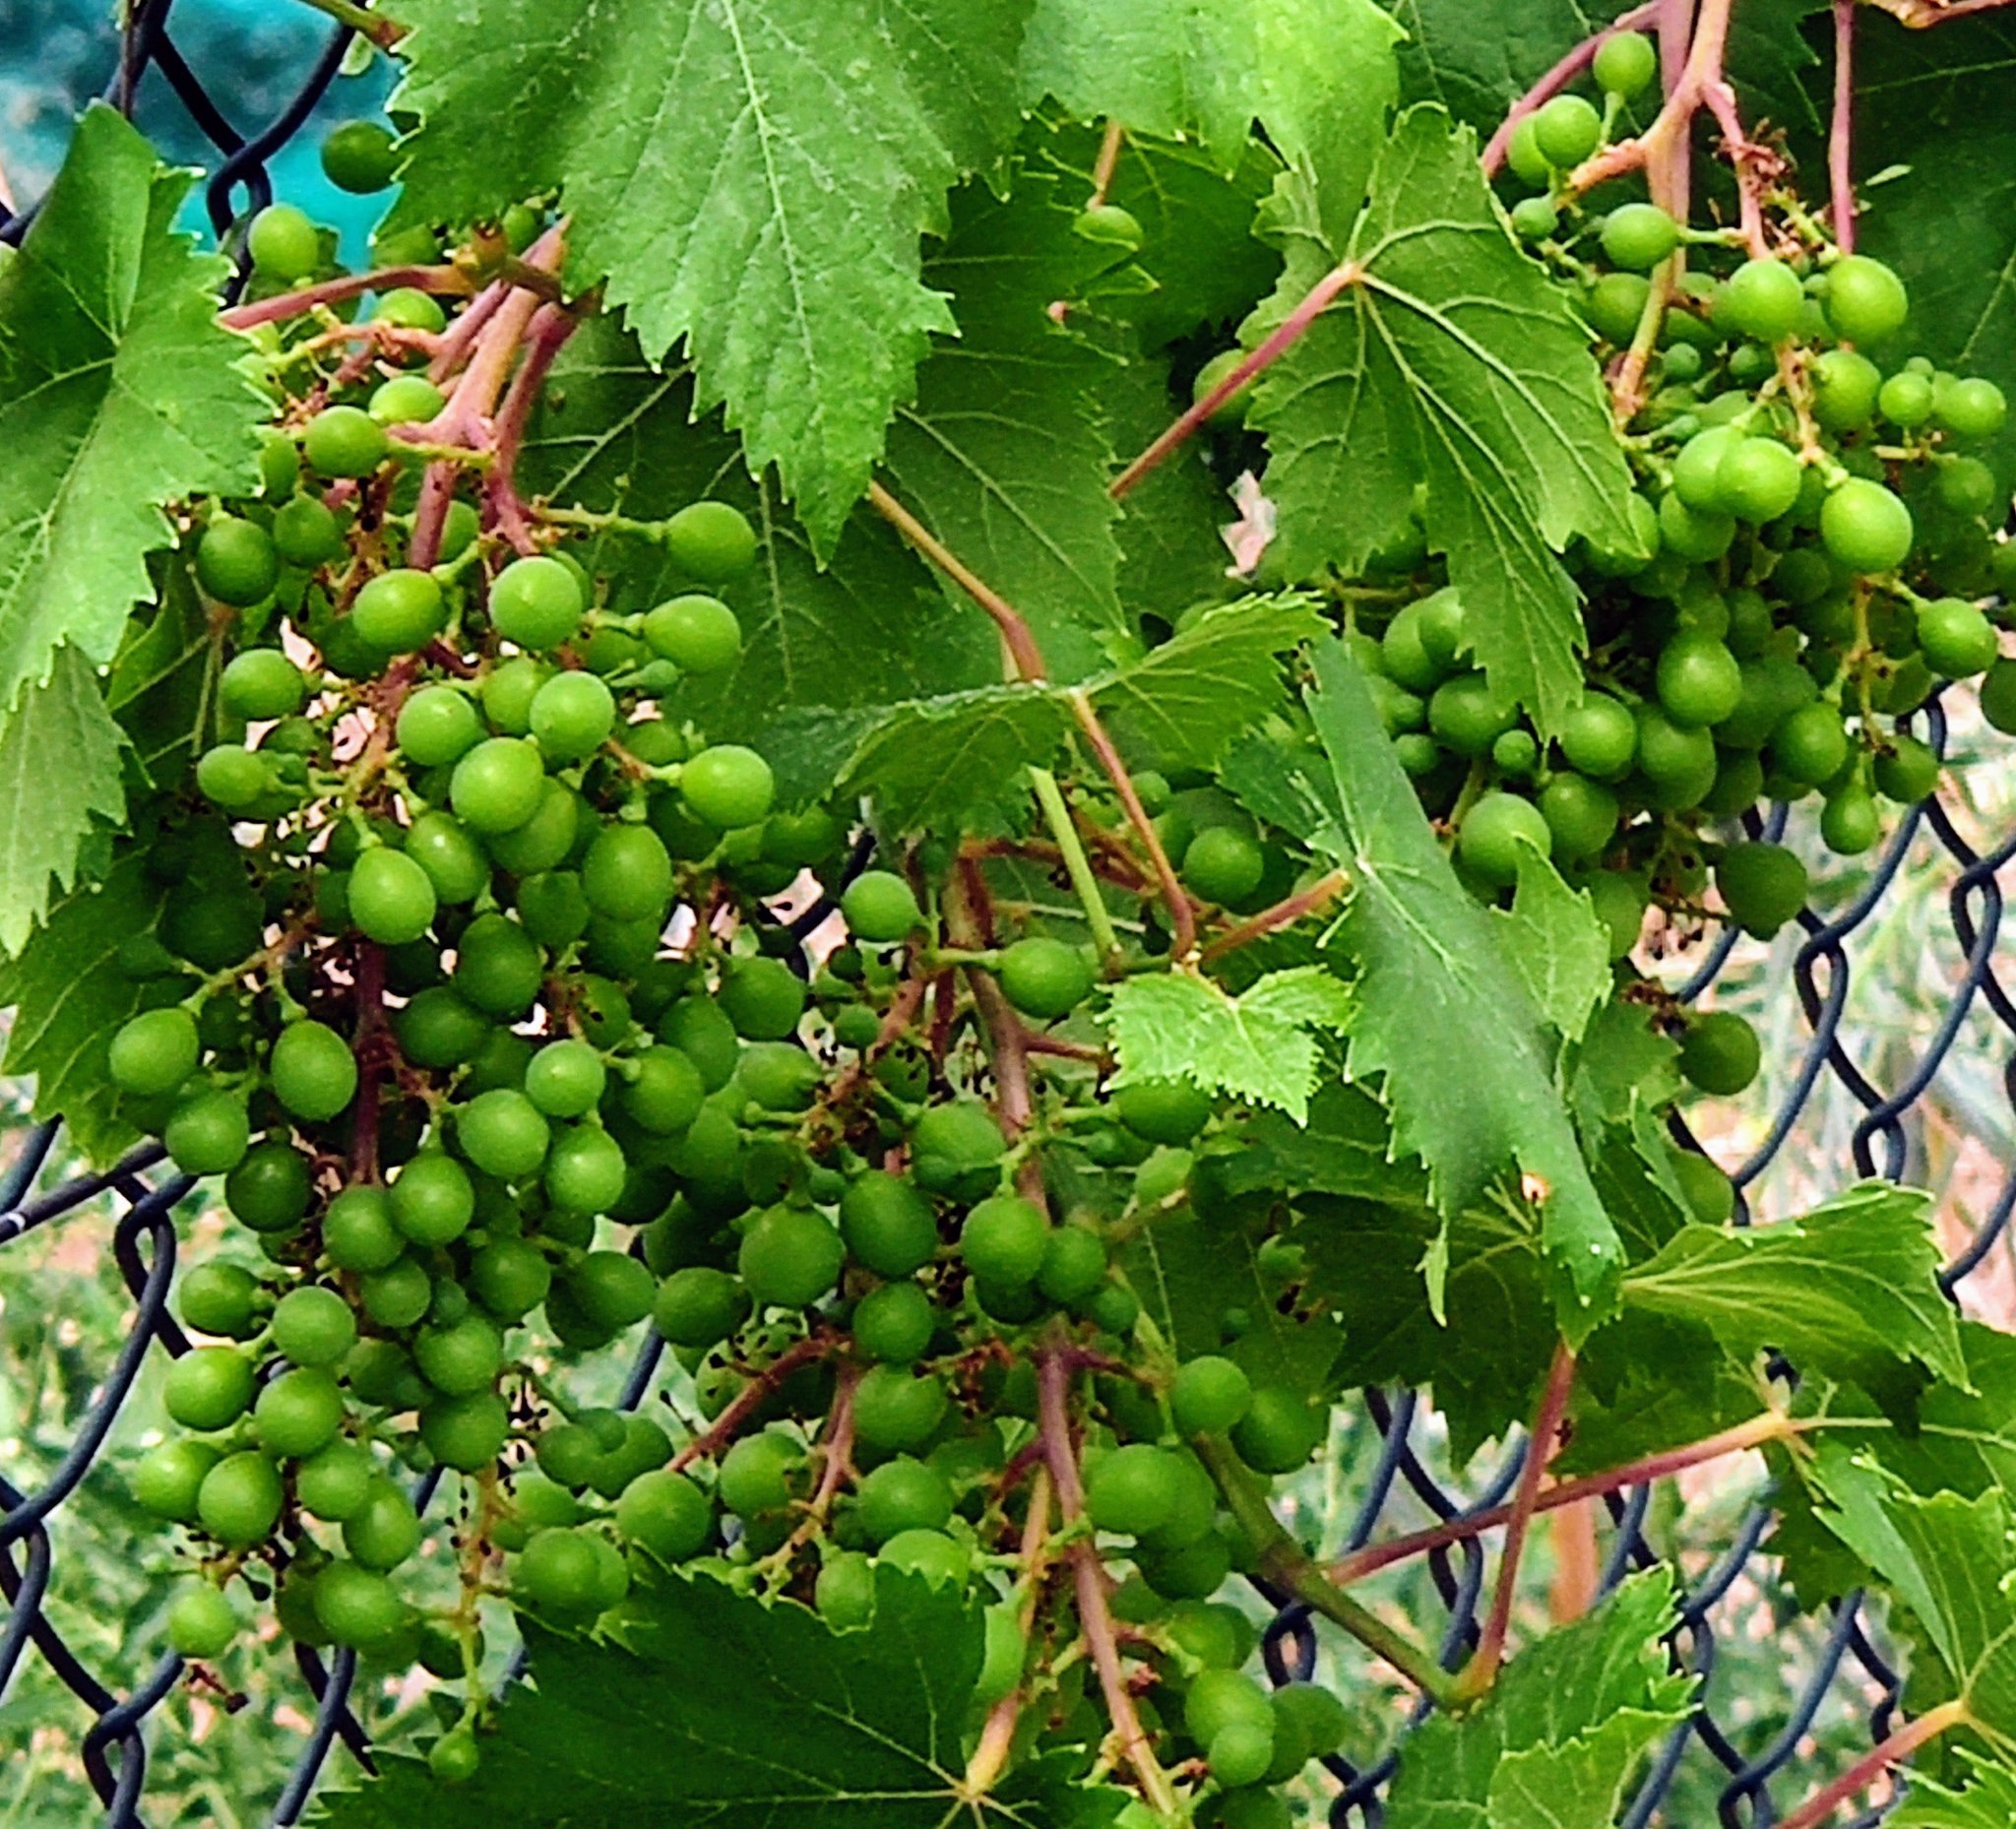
column 1044, row 978
column 305, row 532
column 232, row 777
column 154, row 1052
column 1224, row 865
column 356, row 1604
column 508, row 690
column 1614, row 304
column 728, row 785
column 498, row 785
column 466, row 1432
column 345, row 441
column 1759, row 479
column 845, row 1593
column 1908, row 772
column 313, row 1326
column 699, row 635
column 384, row 1530
column 1849, row 822
column 313, row 1073
column 896, row 1409
column 790, row 1257
column 1764, row 300
column 240, row 1499
column 880, row 907
column 888, row 1226
column 1280, row 1431
column 712, row 541
column 1567, row 130
column 392, row 900
column 1956, row 639
column 503, row 1133
column 1720, row 1053
column 498, row 967
column 397, row 1295
column 335, row 1483
column 572, row 716
column 1972, row 409
column 1467, row 715
column 1625, row 64
column 433, row 1200
column 699, row 1306
column 665, row 1514
column 1763, row 886
column 400, row 610
column 1003, row 1239
column 1241, row 1754
column 627, row 875
column 1639, row 235
column 904, row 1494
column 218, row 1298
column 360, row 156
column 437, row 725
column 208, row 1133
column 1865, row 300
column 1600, row 737
column 1165, row 1111
column 894, row 1324
column 667, row 1093
column 613, row 1290
column 208, row 1388
column 406, row 399
column 1132, row 1490
column 201, row 1623
column 585, row 1171
column 167, row 1479
column 299, row 1413
column 763, row 998
column 510, row 1278
column 1493, row 832
column 1209, row 1396
column 1846, row 384
column 284, row 243
column 1073, row 1266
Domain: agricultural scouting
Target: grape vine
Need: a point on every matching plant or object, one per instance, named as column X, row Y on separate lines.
column 686, row 756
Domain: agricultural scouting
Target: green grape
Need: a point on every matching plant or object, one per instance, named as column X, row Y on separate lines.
column 585, row 1171
column 878, row 907
column 1529, row 164
column 1638, row 236
column 406, row 399
column 1567, row 130
column 453, row 862
column 1241, row 1754
column 208, row 1133
column 1074, row 1265
column 312, row 1070
column 699, row 1306
column 667, row 1093
column 313, row 1326
column 1533, row 219
column 410, row 308
column 392, row 900
column 201, row 1623
column 1468, row 715
column 271, row 1188
column 240, row 1499
column 666, row 1515
column 384, row 1531
column 261, row 683
column 1759, row 479
column 1580, row 815
column 305, row 532
column 1711, row 1195
column 433, row 1200
column 1165, row 1111
column 1625, row 64
column 1908, row 771
column 334, row 1482
column 1906, row 399
column 711, row 542
column 896, row 1409
column 507, row 692
column 1493, row 833
column 1222, row 1699
column 510, row 1278
column 894, row 1324
column 231, row 778
column 218, row 1298
column 1224, row 865
column 551, row 908
column 1810, row 744
column 845, row 1593
column 438, row 1029
column 886, row 1225
column 700, row 634
column 790, row 1257
column 1699, row 681
column 1720, row 1053
column 498, row 968
column 397, row 1296
column 356, row 1604
column 1865, row 300
column 1232, row 411
column 1209, row 1396
column 498, row 785
column 299, row 1413
column 763, row 998
column 154, row 1052
column 1965, row 486
column 208, row 1388
column 728, row 785
column 1972, row 409
column 1600, row 737
column 503, row 1133
column 1279, row 1432
column 1132, row 1491
column 1956, row 639
column 756, row 1474
column 1699, row 535
column 779, row 1076
column 1846, row 384
column 1763, row 886
column 1045, row 978
column 1764, row 300
column 1614, row 304
column 284, row 243
column 1849, row 822
column 572, row 716
column 360, row 156
column 467, row 1432
column 565, row 1079
column 167, row 1478
column 357, row 1231
column 345, row 441
column 437, row 725
column 400, row 610
column 546, row 840
column 1003, row 1239
column 903, row 1495
column 627, row 875
column 613, row 1290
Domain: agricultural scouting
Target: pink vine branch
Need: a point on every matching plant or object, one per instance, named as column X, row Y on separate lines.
column 451, row 279
column 1872, row 1765
column 1841, row 131
column 1558, row 77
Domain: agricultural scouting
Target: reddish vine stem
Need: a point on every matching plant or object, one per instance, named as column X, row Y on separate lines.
column 1840, row 130
column 750, row 1399
column 1182, row 916
column 1873, row 1764
column 998, row 1737
column 1760, row 1432
column 1559, row 78
column 1020, row 644
column 1291, row 332
column 334, row 292
column 1095, row 1618
column 1283, row 913
column 1108, row 163
column 836, row 1462
column 546, row 336
column 1483, row 1669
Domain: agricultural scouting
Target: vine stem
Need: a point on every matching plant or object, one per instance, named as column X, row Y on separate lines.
column 1874, row 1763
column 382, row 32
column 1662, row 148
column 546, row 336
column 1285, row 913
column 836, row 1462
column 1840, row 130
column 1051, row 798
column 1482, row 1671
column 1559, row 78
column 1291, row 332
column 750, row 1399
column 1287, row 1565
column 997, row 1735
column 1182, row 916
column 1760, row 1432
column 1108, row 163
column 334, row 292
column 1095, row 1618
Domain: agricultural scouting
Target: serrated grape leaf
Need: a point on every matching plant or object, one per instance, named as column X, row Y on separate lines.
column 59, row 781
column 1454, row 359
column 1344, row 1147
column 1950, row 1560
column 162, row 685
column 118, row 394
column 1848, row 1291
column 1556, row 944
column 1172, row 550
column 1562, row 1730
column 868, row 629
column 1260, row 1045
column 1986, row 1801
column 1433, row 990
column 1318, row 74
column 1933, row 103
column 717, row 1708
column 754, row 179
column 1622, row 1066
column 1004, row 454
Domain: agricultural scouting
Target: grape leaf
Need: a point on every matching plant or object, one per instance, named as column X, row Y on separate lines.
column 162, row 685
column 752, row 178
column 1434, row 989
column 1562, row 1730
column 826, row 1730
column 1951, row 1560
column 1933, row 104
column 1345, row 1147
column 1259, row 1047
column 1987, row 1801
column 1556, row 945
column 1454, row 358
column 1846, row 1291
column 118, row 394
column 59, row 776
column 1318, row 74
column 1004, row 454
column 870, row 628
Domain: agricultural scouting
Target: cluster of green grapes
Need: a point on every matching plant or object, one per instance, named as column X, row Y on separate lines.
column 468, row 989
column 1815, row 555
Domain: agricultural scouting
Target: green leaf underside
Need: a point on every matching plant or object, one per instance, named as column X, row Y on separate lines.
column 1562, row 1731
column 162, row 684
column 930, row 763
column 868, row 629
column 1005, row 455
column 751, row 178
column 1556, row 945
column 1951, row 1561
column 1343, row 1146
column 1986, row 1801
column 1318, row 74
column 1453, row 358
column 1261, row 1047
column 719, row 1709
column 1434, row 990
column 1846, row 1291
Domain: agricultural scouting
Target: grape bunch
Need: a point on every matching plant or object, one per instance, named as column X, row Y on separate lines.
column 470, row 989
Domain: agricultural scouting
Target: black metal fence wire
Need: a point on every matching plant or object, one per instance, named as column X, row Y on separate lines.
column 1849, row 1665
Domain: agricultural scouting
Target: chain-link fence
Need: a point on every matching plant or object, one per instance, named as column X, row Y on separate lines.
column 1922, row 1088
